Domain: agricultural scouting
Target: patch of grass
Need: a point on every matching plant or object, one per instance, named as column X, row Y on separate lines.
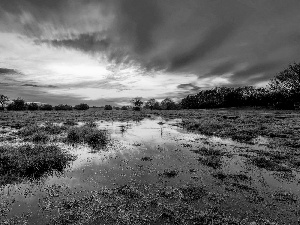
column 70, row 123
column 93, row 137
column 192, row 193
column 214, row 162
column 146, row 158
column 169, row 173
column 268, row 164
column 17, row 163
column 90, row 123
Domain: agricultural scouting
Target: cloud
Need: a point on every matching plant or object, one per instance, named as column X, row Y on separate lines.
column 88, row 42
column 8, row 71
column 189, row 86
column 39, row 86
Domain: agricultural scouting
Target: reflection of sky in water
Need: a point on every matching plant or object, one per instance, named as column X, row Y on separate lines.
column 120, row 163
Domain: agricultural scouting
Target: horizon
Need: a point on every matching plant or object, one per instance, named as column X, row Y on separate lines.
column 110, row 51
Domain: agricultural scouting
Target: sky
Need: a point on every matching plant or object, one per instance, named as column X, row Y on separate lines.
column 109, row 51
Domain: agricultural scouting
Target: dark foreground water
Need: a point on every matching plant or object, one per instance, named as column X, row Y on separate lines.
column 158, row 152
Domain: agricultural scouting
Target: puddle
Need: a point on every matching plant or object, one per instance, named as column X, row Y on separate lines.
column 140, row 153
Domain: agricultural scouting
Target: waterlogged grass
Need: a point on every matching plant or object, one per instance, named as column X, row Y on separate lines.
column 93, row 137
column 30, row 161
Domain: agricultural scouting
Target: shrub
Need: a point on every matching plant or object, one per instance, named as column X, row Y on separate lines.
column 107, row 107
column 93, row 137
column 81, row 106
column 124, row 107
column 46, row 107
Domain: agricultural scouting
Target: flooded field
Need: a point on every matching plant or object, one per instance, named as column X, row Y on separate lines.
column 156, row 171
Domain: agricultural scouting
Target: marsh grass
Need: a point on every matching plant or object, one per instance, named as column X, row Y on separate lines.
column 31, row 161
column 93, row 137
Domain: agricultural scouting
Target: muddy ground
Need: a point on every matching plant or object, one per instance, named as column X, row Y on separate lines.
column 157, row 167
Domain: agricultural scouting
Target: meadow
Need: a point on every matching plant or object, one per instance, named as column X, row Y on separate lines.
column 217, row 166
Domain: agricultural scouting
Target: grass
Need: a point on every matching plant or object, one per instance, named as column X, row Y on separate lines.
column 128, row 205
column 268, row 164
column 30, row 162
column 93, row 137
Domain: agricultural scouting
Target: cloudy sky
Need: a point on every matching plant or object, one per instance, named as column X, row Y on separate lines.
column 108, row 51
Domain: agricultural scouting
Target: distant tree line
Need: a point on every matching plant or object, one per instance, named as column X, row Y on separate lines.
column 282, row 92
column 20, row 104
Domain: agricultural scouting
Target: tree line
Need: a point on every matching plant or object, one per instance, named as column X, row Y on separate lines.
column 282, row 92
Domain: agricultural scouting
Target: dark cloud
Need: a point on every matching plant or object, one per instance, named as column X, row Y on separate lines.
column 136, row 22
column 189, row 86
column 214, row 39
column 89, row 42
column 8, row 71
column 39, row 86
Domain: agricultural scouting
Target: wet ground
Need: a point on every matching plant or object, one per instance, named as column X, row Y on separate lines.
column 157, row 156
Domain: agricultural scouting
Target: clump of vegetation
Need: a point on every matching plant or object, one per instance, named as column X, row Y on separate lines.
column 32, row 162
column 93, row 137
column 169, row 173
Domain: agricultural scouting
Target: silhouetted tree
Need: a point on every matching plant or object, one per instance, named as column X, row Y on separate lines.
column 32, row 106
column 82, row 106
column 46, row 107
column 17, row 104
column 108, row 107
